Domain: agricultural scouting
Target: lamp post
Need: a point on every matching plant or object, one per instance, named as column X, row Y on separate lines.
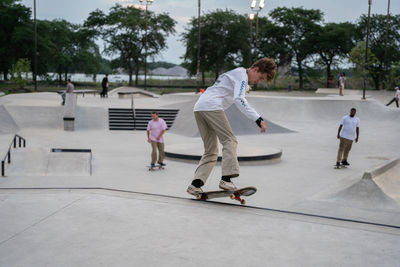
column 198, row 48
column 35, row 52
column 366, row 48
column 251, row 18
column 148, row 2
column 386, row 40
column 260, row 6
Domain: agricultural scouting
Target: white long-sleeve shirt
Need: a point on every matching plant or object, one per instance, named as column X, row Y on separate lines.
column 230, row 88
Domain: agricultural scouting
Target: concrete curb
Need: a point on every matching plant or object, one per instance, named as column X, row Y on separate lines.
column 371, row 174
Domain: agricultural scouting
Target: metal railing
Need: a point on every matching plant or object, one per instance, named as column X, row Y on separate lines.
column 8, row 154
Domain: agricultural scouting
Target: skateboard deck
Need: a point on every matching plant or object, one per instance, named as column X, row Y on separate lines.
column 156, row 167
column 340, row 167
column 236, row 195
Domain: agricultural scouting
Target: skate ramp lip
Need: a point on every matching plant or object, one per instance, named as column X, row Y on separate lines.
column 387, row 178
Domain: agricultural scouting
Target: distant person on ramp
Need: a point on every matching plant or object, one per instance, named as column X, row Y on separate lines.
column 341, row 83
column 230, row 88
column 70, row 90
column 104, row 85
column 155, row 136
column 348, row 130
column 395, row 98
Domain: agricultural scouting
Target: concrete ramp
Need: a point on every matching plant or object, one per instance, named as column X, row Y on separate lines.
column 387, row 178
column 185, row 123
column 378, row 188
column 42, row 162
column 37, row 116
column 7, row 123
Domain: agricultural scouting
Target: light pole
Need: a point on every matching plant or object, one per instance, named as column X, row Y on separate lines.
column 386, row 40
column 366, row 48
column 251, row 18
column 35, row 55
column 198, row 48
column 260, row 6
column 148, row 2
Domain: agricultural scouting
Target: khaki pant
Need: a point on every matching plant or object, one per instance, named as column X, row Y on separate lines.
column 214, row 125
column 344, row 149
column 160, row 147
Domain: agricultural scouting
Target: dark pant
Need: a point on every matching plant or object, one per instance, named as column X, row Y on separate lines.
column 104, row 92
column 391, row 101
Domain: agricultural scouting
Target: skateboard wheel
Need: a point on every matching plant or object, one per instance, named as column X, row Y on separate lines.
column 198, row 196
column 233, row 196
column 243, row 202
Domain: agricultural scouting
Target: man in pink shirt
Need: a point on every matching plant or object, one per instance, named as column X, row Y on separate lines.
column 155, row 131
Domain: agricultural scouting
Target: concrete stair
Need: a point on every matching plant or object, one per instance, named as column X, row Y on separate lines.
column 123, row 119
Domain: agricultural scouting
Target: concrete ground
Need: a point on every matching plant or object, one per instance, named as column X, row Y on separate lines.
column 304, row 213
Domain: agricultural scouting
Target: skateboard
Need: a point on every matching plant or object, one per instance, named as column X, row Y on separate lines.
column 156, row 167
column 236, row 195
column 339, row 167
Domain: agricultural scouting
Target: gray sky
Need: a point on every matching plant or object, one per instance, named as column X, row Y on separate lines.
column 77, row 11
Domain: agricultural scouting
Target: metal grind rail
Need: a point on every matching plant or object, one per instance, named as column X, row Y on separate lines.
column 340, row 219
column 8, row 154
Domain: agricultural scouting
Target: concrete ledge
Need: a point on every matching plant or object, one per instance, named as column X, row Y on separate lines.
column 336, row 91
column 82, row 92
column 247, row 154
column 69, row 112
column 371, row 174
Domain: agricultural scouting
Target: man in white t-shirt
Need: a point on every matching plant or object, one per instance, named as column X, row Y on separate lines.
column 230, row 88
column 347, row 133
column 395, row 98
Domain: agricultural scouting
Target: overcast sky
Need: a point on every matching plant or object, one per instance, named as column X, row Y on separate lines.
column 76, row 11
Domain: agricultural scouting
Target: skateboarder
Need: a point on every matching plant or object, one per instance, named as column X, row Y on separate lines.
column 348, row 129
column 230, row 88
column 395, row 98
column 155, row 136
column 70, row 90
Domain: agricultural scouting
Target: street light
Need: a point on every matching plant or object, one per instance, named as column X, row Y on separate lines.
column 35, row 55
column 148, row 2
column 260, row 7
column 366, row 48
column 386, row 40
column 198, row 48
column 251, row 18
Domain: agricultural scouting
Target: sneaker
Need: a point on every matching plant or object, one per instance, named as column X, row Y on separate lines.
column 345, row 163
column 229, row 186
column 162, row 164
column 152, row 165
column 194, row 190
column 338, row 165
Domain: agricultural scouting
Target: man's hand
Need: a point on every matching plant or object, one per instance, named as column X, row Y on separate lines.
column 356, row 139
column 158, row 138
column 149, row 140
column 338, row 136
column 263, row 127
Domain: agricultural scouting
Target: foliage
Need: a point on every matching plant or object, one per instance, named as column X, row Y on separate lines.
column 124, row 34
column 18, row 69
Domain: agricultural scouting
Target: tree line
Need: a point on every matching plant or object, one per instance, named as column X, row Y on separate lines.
column 296, row 38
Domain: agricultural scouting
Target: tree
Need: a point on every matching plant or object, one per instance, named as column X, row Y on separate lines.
column 334, row 41
column 297, row 27
column 377, row 44
column 16, row 31
column 357, row 57
column 224, row 42
column 18, row 69
column 123, row 31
